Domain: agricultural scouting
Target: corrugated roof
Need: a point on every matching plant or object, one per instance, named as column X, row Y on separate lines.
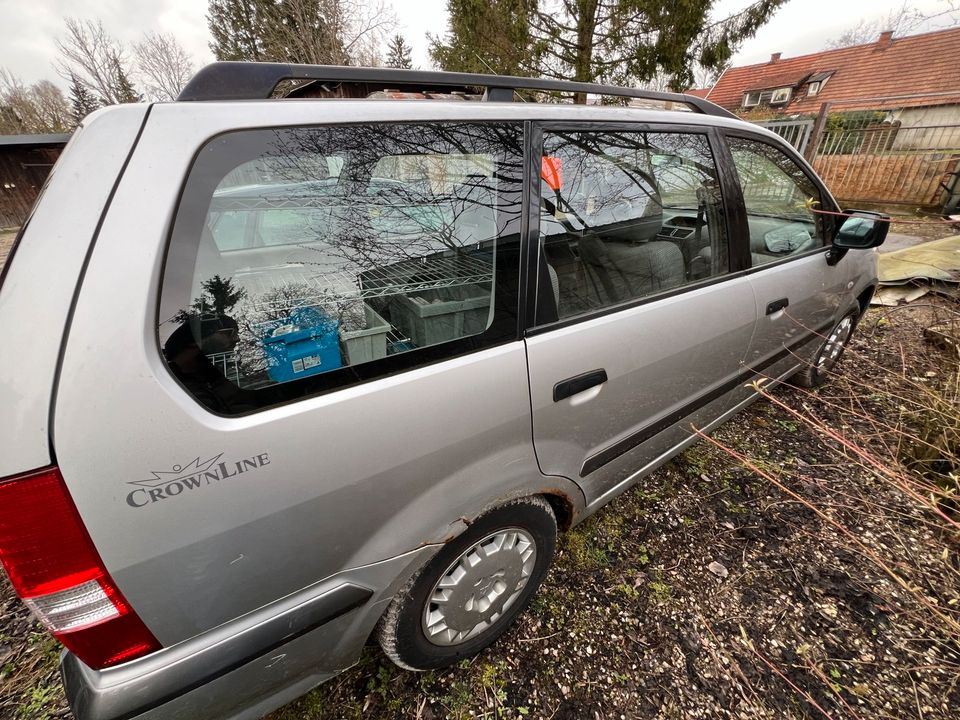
column 49, row 140
column 913, row 71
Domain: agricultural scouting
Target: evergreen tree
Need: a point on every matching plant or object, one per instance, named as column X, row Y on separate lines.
column 123, row 89
column 398, row 53
column 223, row 294
column 488, row 36
column 239, row 28
column 82, row 101
column 612, row 41
column 295, row 31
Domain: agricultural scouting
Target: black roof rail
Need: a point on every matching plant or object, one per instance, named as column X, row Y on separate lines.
column 229, row 80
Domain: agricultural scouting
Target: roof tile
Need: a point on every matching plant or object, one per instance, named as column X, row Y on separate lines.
column 913, row 71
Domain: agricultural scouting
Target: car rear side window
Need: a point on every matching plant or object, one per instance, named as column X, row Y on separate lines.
column 307, row 259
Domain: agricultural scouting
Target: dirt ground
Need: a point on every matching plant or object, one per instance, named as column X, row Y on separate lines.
column 704, row 592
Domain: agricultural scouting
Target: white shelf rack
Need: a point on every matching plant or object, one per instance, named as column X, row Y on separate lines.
column 406, row 277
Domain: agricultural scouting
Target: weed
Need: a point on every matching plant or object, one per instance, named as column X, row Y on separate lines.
column 660, row 592
column 787, row 425
column 583, row 549
column 896, row 423
column 696, row 460
column 459, row 699
column 381, row 684
column 38, row 705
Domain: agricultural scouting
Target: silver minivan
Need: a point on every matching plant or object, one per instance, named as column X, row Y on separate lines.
column 280, row 376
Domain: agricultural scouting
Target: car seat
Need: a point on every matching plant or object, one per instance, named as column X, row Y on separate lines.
column 623, row 271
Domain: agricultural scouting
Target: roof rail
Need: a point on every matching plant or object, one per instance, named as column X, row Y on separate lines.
column 228, row 80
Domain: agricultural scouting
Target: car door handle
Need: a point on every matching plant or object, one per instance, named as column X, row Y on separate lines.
column 578, row 383
column 776, row 305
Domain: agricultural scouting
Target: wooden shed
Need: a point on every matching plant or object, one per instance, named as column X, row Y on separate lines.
column 25, row 162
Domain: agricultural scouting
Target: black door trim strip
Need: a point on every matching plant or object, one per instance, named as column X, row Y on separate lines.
column 611, row 453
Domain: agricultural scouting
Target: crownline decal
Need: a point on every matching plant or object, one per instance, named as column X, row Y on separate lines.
column 195, row 475
column 162, row 477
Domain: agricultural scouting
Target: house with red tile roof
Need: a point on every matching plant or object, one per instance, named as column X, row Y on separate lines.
column 917, row 76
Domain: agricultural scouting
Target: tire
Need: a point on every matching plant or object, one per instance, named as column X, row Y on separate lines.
column 493, row 554
column 828, row 354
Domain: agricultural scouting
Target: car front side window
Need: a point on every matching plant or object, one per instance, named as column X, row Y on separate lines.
column 625, row 215
column 781, row 201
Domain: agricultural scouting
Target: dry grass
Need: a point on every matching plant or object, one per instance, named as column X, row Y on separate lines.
column 894, row 423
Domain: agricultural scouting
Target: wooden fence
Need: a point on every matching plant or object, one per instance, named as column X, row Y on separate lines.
column 22, row 174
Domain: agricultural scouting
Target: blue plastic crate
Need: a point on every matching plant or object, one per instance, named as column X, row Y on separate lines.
column 303, row 344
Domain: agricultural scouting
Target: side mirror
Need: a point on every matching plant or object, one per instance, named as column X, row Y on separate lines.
column 861, row 230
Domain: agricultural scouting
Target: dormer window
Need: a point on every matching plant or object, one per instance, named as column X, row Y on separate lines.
column 780, row 96
column 813, row 88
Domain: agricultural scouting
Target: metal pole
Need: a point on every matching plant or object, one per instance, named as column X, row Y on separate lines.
column 818, row 126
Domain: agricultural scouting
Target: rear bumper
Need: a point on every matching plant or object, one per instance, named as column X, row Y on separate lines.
column 252, row 665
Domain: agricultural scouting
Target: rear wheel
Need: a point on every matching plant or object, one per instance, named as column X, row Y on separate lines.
column 473, row 589
column 829, row 354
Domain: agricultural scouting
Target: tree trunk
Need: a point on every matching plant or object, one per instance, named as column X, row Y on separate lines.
column 586, row 27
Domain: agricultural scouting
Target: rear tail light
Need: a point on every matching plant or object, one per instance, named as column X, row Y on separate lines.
column 58, row 573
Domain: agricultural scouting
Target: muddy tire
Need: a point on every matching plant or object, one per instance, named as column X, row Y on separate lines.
column 472, row 590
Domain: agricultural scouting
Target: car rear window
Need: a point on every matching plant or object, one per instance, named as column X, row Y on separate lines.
column 307, row 259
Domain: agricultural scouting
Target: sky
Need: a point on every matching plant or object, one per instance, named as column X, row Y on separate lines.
column 28, row 28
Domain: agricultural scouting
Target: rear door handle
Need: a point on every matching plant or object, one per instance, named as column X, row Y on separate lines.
column 579, row 383
column 776, row 305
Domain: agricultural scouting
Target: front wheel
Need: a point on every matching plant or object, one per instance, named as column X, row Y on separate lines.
column 829, row 353
column 473, row 589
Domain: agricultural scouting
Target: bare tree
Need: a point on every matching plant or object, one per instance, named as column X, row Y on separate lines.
column 901, row 21
column 37, row 108
column 99, row 61
column 306, row 31
column 704, row 77
column 364, row 29
column 52, row 108
column 338, row 32
column 163, row 66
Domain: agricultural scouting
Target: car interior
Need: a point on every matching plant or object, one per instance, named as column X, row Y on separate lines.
column 613, row 230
